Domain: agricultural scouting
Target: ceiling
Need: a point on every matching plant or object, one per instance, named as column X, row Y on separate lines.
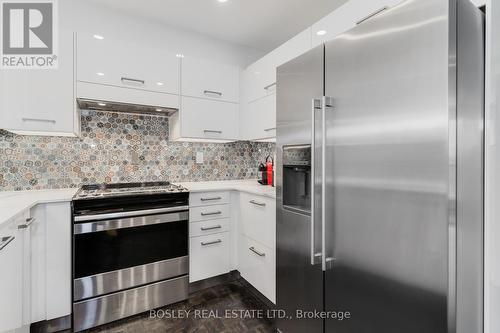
column 259, row 24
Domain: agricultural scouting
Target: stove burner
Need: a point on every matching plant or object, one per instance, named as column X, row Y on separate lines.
column 121, row 189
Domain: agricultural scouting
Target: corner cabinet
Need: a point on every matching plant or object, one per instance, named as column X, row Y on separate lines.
column 42, row 101
column 258, row 109
column 209, row 109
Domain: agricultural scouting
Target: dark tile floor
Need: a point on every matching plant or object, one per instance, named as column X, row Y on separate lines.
column 218, row 299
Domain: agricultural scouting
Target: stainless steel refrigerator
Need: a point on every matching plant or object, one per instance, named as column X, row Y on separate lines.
column 380, row 174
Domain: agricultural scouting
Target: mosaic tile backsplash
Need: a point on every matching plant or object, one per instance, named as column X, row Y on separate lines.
column 117, row 147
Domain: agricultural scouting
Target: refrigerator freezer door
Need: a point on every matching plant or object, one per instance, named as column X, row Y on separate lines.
column 299, row 283
column 388, row 172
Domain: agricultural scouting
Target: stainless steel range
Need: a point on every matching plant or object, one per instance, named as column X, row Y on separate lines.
column 130, row 250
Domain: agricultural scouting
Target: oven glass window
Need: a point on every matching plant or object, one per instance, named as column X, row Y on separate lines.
column 111, row 250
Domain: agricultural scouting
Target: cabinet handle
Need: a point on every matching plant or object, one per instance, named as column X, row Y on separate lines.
column 210, row 199
column 28, row 222
column 260, row 254
column 211, row 228
column 372, row 15
column 212, row 131
column 269, row 86
column 262, row 204
column 269, row 129
column 211, row 243
column 40, row 120
column 211, row 92
column 211, row 213
column 4, row 241
column 130, row 80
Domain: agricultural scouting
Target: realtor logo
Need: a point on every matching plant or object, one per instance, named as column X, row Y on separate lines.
column 28, row 34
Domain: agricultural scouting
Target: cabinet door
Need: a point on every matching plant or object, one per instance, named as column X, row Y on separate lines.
column 257, row 266
column 260, row 79
column 260, row 118
column 126, row 65
column 58, row 260
column 205, row 79
column 258, row 218
column 208, row 256
column 207, row 119
column 11, row 282
column 41, row 100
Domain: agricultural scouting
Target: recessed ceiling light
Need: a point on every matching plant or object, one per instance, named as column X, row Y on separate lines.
column 179, row 55
column 159, row 83
column 101, row 104
column 159, row 110
column 321, row 33
column 100, row 74
column 222, row 1
column 98, row 37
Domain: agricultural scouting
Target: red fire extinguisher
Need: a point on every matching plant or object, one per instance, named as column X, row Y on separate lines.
column 269, row 169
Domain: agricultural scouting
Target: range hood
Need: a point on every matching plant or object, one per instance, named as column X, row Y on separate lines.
column 102, row 105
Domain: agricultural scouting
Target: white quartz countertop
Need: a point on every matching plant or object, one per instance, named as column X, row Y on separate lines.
column 248, row 186
column 16, row 202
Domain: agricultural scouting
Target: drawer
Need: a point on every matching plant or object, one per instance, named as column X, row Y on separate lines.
column 208, row 227
column 258, row 218
column 208, row 213
column 208, row 198
column 208, row 256
column 257, row 266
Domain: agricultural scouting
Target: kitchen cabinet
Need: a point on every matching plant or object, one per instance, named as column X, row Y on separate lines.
column 205, row 120
column 210, row 245
column 257, row 218
column 118, row 71
column 12, row 263
column 208, row 80
column 41, row 102
column 51, row 261
column 258, row 112
column 346, row 17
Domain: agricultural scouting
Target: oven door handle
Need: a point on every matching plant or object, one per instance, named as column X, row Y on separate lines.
column 95, row 217
column 129, row 222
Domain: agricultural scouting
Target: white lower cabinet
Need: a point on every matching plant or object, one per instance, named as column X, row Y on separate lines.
column 11, row 283
column 209, row 256
column 258, row 218
column 257, row 265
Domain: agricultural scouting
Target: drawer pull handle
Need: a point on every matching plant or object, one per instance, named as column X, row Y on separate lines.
column 52, row 121
column 211, row 92
column 4, row 241
column 269, row 86
column 211, row 213
column 211, row 228
column 211, row 243
column 260, row 254
column 211, row 199
column 212, row 131
column 262, row 204
column 28, row 222
column 130, row 80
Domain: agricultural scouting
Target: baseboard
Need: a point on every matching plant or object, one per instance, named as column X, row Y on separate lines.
column 213, row 281
column 51, row 326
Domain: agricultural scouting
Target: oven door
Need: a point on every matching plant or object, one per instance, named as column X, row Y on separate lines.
column 118, row 253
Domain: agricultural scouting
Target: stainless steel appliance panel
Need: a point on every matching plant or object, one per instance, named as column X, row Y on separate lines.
column 299, row 283
column 109, row 282
column 470, row 166
column 105, row 309
column 387, row 172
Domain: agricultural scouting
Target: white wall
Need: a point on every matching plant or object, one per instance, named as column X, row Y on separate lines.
column 492, row 223
column 85, row 17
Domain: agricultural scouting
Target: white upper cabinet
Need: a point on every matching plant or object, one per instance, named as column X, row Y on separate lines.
column 346, row 17
column 205, row 79
column 42, row 101
column 119, row 68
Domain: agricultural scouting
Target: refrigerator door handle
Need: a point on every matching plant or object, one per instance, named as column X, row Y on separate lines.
column 315, row 256
column 326, row 102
